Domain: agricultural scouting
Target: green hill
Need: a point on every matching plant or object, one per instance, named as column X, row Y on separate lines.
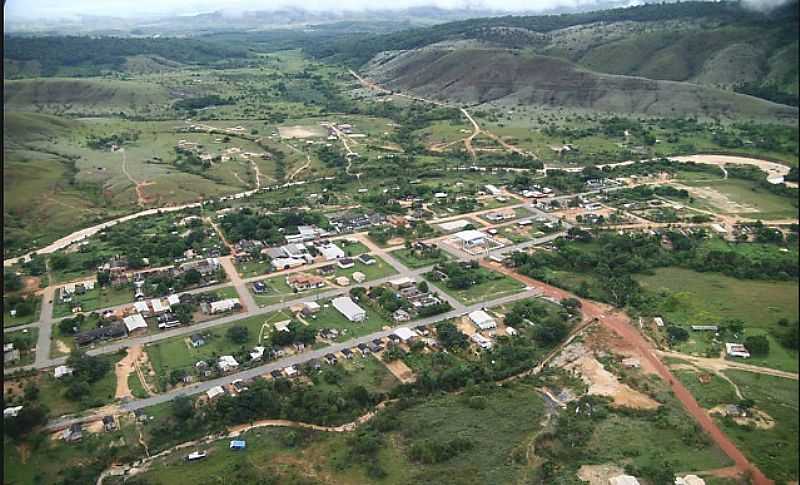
column 471, row 75
column 81, row 95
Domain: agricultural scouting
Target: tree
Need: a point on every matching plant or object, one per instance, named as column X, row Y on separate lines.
column 103, row 278
column 182, row 408
column 77, row 390
column 757, row 345
column 87, row 368
column 450, row 336
column 11, row 282
column 28, row 418
column 423, row 286
column 238, row 334
column 677, row 334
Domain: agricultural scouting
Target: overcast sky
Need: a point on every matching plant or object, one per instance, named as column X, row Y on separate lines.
column 127, row 8
column 50, row 9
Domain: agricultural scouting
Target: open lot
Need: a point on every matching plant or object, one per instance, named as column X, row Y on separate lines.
column 494, row 286
column 95, row 299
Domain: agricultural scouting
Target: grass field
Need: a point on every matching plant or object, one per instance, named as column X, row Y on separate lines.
column 408, row 258
column 710, row 298
column 177, row 353
column 495, row 285
column 773, row 450
column 253, row 268
column 753, row 201
column 95, row 299
column 329, row 317
column 379, row 269
column 29, row 335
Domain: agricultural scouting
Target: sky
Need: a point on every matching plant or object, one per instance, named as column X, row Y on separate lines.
column 55, row 9
column 51, row 9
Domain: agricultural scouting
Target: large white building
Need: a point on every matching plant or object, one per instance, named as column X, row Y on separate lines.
column 349, row 309
column 134, row 322
column 224, row 305
column 482, row 320
column 470, row 238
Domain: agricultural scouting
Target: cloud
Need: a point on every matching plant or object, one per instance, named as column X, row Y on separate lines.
column 764, row 5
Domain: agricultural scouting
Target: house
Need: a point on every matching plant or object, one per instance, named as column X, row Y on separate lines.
column 631, row 363
column 115, row 330
column 658, row 321
column 11, row 355
column 73, row 433
column 330, row 251
column 511, row 331
column 342, row 281
column 689, row 480
column 470, row 238
column 238, row 444
column 158, row 306
column 736, row 350
column 310, row 308
column 482, row 341
column 286, row 263
column 375, row 346
column 225, row 305
column 482, row 320
column 11, row 412
column 705, row 328
column 239, row 386
column 623, row 480
column 290, row 371
column 109, row 424
column 282, row 326
column 135, row 323
column 257, row 353
column 405, row 334
column 297, row 251
column 330, row 359
column 492, row 189
column 401, row 283
column 304, row 281
column 359, row 277
column 401, row 315
column 347, row 307
column 346, row 263
column 141, row 307
column 366, row 259
column 173, row 300
column 364, row 349
column 276, row 374
column 168, row 320
column 227, row 363
column 259, row 287
column 62, row 371
column 327, row 270
column 196, row 455
column 197, row 340
column 347, row 353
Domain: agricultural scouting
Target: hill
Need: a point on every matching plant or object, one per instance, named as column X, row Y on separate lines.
column 717, row 44
column 474, row 75
column 81, row 95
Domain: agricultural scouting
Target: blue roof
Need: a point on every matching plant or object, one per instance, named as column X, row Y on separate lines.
column 238, row 444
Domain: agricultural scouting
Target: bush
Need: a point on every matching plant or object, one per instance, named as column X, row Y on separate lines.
column 238, row 334
column 757, row 345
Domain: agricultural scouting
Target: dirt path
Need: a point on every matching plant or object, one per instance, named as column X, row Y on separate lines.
column 720, row 364
column 301, row 168
column 123, row 369
column 141, row 199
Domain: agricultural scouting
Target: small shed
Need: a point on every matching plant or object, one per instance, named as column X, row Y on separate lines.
column 238, row 444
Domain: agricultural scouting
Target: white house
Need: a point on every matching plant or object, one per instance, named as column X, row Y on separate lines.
column 737, row 350
column 215, row 391
column 659, row 321
column 623, row 480
column 257, row 353
column 349, row 309
column 482, row 320
column 471, row 237
column 224, row 305
column 226, row 363
column 359, row 277
column 62, row 371
column 331, row 251
column 12, row 411
column 492, row 189
column 689, row 480
column 405, row 334
column 134, row 322
column 158, row 306
column 173, row 300
column 482, row 341
column 141, row 307
column 511, row 331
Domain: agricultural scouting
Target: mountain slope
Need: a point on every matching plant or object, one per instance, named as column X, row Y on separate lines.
column 470, row 75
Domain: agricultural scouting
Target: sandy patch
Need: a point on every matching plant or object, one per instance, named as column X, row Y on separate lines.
column 598, row 474
column 395, row 241
column 601, row 339
column 125, row 367
column 771, row 168
column 94, row 427
column 399, row 369
column 757, row 418
column 62, row 347
column 301, row 131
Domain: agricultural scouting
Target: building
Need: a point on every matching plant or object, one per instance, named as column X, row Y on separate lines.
column 366, row 259
column 482, row 341
column 108, row 332
column 11, row 412
column 257, row 353
column 225, row 305
column 347, row 353
column 470, row 238
column 623, row 480
column 659, row 321
column 689, row 480
column 511, row 331
column 215, row 391
column 492, row 189
column 705, row 328
column 135, row 323
column 286, row 263
column 158, row 306
column 238, row 444
column 359, row 277
column 401, row 283
column 347, row 307
column 73, row 433
column 290, row 371
column 173, row 300
column 62, row 371
column 401, row 315
column 342, row 281
column 304, row 281
column 310, row 308
column 141, row 307
column 482, row 320
column 227, row 363
column 330, row 251
column 737, row 350
column 346, row 263
column 327, row 270
column 405, row 334
column 197, row 340
column 109, row 424
column 631, row 363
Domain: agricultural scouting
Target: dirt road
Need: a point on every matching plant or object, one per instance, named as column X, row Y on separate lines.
column 618, row 322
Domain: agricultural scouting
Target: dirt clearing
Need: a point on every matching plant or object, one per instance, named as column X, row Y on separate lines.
column 298, row 131
column 124, row 368
column 599, row 474
column 399, row 369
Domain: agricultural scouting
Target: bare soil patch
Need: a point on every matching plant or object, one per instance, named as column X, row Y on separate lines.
column 756, row 417
column 400, row 370
column 301, row 131
column 124, row 368
column 62, row 347
column 599, row 474
column 718, row 199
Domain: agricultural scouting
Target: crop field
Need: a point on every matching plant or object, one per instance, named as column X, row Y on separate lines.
column 710, row 298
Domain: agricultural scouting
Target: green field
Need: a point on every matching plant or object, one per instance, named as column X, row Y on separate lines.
column 329, row 317
column 9, row 321
column 95, row 299
column 753, row 201
column 379, row 269
column 29, row 336
column 494, row 286
column 253, row 268
column 710, row 298
column 177, row 353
